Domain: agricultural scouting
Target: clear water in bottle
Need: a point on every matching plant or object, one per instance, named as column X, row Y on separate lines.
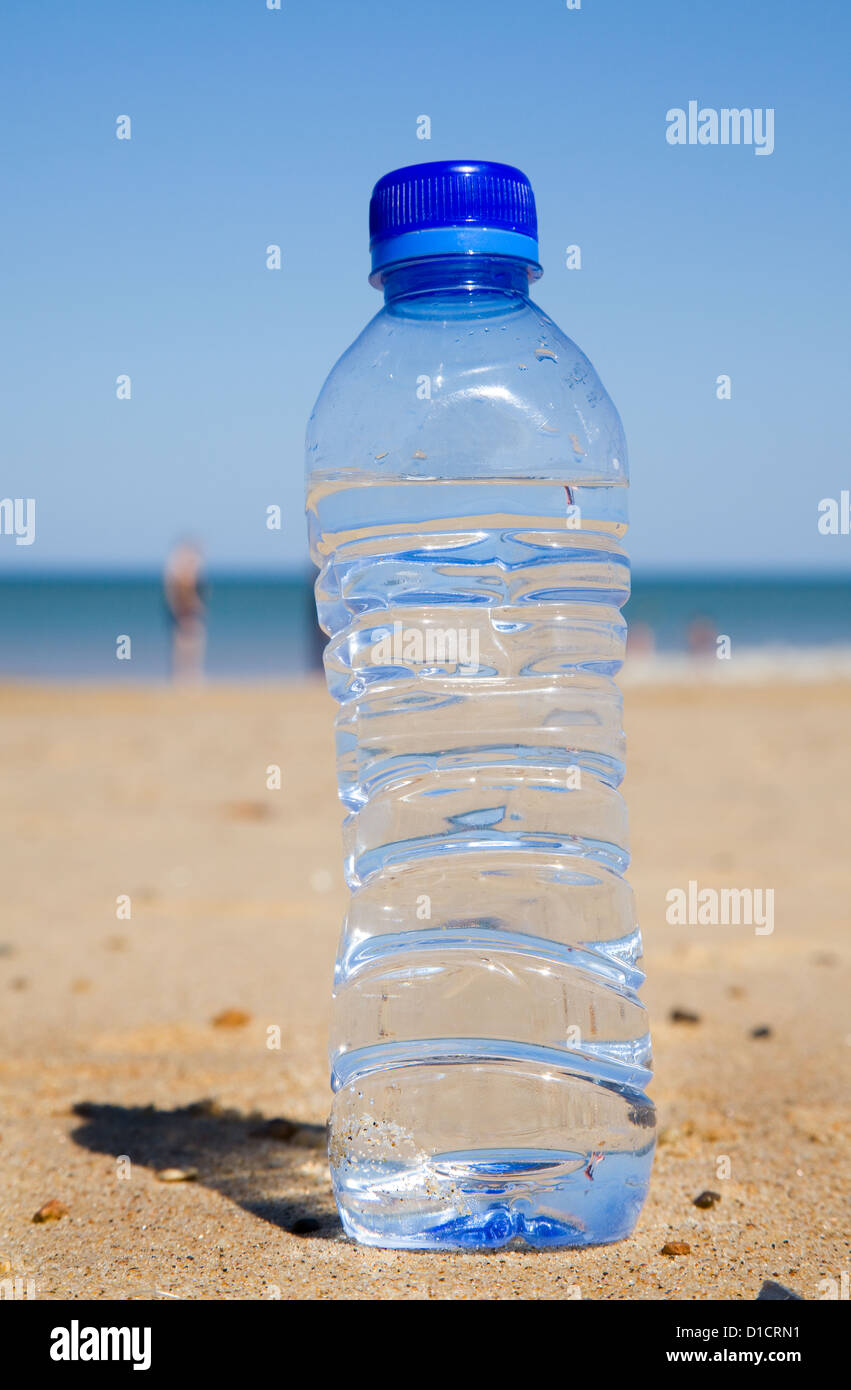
column 467, row 506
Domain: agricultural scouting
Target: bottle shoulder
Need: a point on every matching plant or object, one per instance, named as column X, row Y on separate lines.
column 503, row 393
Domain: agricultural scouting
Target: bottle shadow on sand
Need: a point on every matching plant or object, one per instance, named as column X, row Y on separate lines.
column 251, row 1159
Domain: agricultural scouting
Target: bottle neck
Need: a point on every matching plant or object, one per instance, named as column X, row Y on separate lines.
column 452, row 286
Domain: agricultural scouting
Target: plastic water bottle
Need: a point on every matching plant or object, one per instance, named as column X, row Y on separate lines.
column 466, row 478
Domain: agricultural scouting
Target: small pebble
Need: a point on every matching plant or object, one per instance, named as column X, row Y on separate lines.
column 305, row 1226
column 231, row 1018
column 249, row 810
column 707, row 1199
column 684, row 1016
column 777, row 1291
column 177, row 1174
column 762, row 1032
column 51, row 1211
column 676, row 1247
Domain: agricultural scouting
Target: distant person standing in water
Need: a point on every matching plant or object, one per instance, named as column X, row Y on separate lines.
column 184, row 596
column 702, row 637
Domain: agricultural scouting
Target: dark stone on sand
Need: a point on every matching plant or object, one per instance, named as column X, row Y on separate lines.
column 707, row 1199
column 777, row 1291
column 684, row 1016
column 762, row 1032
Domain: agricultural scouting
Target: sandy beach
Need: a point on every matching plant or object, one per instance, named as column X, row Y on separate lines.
column 169, row 1037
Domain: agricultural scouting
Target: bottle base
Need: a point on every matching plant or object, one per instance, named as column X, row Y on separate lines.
column 491, row 1198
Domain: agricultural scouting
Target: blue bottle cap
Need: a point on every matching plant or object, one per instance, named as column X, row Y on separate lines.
column 452, row 207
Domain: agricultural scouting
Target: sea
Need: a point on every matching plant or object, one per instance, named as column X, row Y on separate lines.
column 69, row 627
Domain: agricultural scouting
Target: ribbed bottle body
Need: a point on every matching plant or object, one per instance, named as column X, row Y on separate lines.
column 489, row 1050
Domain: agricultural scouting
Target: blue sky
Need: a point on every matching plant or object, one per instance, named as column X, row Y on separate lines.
column 252, row 127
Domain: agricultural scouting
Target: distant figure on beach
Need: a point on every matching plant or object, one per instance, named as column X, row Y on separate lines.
column 641, row 639
column 184, row 596
column 702, row 637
